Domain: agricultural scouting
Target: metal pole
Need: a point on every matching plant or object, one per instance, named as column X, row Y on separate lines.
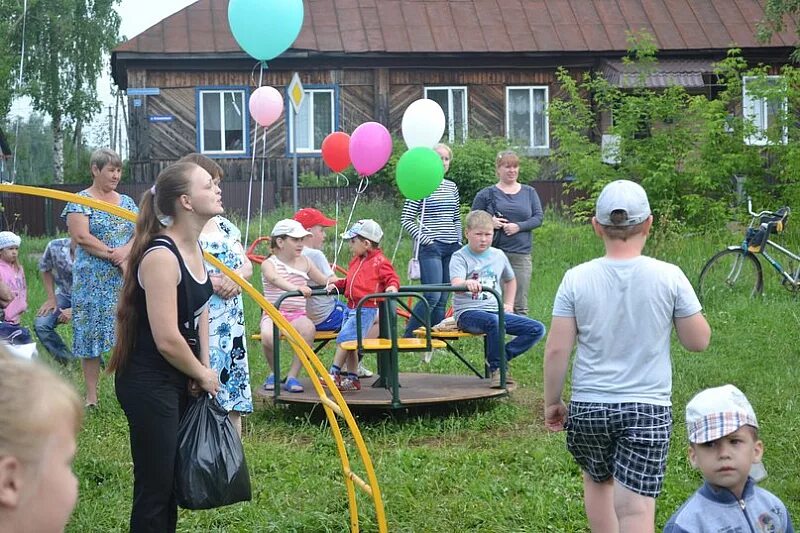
column 294, row 169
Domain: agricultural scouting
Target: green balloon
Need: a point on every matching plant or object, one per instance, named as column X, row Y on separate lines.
column 419, row 173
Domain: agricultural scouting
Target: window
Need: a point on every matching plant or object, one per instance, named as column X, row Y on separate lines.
column 316, row 119
column 222, row 124
column 764, row 107
column 454, row 104
column 526, row 117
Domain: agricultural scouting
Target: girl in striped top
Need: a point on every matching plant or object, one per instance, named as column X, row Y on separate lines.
column 435, row 225
column 287, row 269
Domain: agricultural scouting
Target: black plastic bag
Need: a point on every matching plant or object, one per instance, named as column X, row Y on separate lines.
column 210, row 470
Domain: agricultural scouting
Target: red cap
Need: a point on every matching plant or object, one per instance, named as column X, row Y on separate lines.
column 308, row 217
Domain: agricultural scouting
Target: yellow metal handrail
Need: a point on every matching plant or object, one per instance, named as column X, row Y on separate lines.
column 311, row 363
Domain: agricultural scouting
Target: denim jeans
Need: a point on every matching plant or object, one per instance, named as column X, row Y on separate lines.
column 527, row 332
column 45, row 328
column 434, row 266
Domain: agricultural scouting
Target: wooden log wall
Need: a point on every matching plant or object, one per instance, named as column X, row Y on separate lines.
column 364, row 95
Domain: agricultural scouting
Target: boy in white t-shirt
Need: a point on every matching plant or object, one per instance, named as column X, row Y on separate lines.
column 620, row 310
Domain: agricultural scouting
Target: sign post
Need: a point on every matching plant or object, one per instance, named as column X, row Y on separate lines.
column 296, row 97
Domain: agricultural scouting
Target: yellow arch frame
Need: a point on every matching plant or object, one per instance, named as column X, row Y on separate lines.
column 308, row 358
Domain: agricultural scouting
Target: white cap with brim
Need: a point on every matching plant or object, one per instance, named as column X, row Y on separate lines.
column 719, row 411
column 290, row 228
column 622, row 195
column 8, row 239
column 367, row 228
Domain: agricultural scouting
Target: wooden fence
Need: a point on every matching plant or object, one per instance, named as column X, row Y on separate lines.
column 36, row 216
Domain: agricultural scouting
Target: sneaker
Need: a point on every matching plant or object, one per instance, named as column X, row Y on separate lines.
column 495, row 377
column 349, row 384
column 336, row 378
column 364, row 372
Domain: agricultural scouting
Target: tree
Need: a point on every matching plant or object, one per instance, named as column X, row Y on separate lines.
column 774, row 21
column 66, row 43
column 10, row 19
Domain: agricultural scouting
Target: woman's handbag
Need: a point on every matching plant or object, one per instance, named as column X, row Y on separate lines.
column 210, row 468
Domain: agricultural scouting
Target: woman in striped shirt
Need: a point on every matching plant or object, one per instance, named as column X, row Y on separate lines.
column 435, row 225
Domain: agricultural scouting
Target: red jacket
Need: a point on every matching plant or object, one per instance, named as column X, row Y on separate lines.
column 367, row 275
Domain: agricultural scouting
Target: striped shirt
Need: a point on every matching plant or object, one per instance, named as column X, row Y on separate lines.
column 442, row 218
column 293, row 276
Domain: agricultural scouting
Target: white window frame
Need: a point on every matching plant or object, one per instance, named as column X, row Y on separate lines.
column 449, row 114
column 755, row 110
column 309, row 101
column 531, row 89
column 219, row 92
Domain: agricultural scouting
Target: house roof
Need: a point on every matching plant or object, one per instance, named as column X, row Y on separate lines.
column 665, row 73
column 476, row 26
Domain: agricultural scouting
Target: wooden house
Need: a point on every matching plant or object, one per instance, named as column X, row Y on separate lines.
column 489, row 63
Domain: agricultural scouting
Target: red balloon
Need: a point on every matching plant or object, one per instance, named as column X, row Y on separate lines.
column 336, row 151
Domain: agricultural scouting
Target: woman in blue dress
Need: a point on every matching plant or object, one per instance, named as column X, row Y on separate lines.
column 104, row 242
column 227, row 332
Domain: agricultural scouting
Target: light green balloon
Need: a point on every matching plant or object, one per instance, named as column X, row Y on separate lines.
column 419, row 173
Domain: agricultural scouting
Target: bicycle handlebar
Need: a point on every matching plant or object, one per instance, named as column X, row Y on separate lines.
column 761, row 213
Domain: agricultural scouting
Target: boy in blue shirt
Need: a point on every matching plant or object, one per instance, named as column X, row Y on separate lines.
column 724, row 446
column 478, row 264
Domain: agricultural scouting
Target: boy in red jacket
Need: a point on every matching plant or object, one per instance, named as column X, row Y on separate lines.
column 369, row 272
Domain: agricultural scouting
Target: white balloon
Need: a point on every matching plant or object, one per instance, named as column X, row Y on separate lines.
column 423, row 124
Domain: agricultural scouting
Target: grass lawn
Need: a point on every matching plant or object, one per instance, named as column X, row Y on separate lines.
column 488, row 466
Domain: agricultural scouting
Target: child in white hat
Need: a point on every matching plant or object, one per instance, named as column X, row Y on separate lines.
column 13, row 294
column 724, row 446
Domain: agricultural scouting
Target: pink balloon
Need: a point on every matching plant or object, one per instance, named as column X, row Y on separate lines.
column 370, row 148
column 266, row 105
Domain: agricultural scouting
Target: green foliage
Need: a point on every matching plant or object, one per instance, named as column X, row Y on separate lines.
column 684, row 149
column 473, row 166
column 66, row 42
column 776, row 12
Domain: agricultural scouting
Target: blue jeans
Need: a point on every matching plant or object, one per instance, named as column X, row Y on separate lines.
column 434, row 269
column 45, row 328
column 527, row 332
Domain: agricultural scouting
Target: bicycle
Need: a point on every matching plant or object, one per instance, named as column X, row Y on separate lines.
column 736, row 270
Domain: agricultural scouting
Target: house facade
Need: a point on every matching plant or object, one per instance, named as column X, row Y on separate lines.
column 490, row 65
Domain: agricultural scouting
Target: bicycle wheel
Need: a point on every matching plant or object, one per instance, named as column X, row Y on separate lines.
column 730, row 273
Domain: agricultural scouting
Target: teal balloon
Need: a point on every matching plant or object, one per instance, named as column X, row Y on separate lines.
column 419, row 173
column 265, row 28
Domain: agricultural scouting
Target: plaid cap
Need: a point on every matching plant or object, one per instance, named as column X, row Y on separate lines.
column 716, row 412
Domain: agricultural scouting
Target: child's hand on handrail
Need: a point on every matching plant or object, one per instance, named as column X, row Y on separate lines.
column 473, row 286
column 391, row 288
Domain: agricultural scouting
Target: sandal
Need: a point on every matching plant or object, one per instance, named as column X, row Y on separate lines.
column 292, row 385
column 269, row 383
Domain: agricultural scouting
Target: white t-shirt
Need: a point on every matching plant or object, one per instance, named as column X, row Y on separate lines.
column 318, row 308
column 624, row 311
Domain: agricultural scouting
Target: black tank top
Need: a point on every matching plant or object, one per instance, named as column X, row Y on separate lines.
column 192, row 295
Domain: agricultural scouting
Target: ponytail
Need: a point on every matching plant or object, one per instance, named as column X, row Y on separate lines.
column 156, row 205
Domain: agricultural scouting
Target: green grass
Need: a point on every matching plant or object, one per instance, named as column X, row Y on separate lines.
column 488, row 466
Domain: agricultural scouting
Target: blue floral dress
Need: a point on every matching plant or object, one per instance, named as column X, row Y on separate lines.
column 96, row 282
column 227, row 333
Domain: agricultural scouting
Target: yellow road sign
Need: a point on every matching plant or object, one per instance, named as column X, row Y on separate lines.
column 296, row 93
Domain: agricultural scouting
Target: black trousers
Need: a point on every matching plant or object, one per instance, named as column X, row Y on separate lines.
column 153, row 405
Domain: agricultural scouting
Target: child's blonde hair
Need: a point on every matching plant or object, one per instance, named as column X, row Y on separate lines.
column 32, row 397
column 479, row 219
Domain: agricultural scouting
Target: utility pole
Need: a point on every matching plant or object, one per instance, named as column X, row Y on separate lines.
column 110, row 129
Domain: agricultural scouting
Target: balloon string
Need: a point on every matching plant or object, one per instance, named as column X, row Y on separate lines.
column 362, row 186
column 252, row 167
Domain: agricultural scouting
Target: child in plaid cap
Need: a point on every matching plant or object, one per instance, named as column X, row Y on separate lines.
column 724, row 446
